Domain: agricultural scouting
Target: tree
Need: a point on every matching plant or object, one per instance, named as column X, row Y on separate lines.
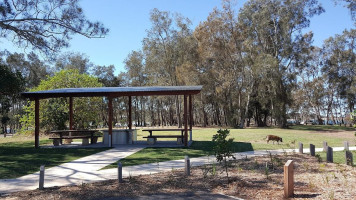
column 339, row 65
column 10, row 85
column 223, row 148
column 70, row 60
column 45, row 25
column 106, row 75
column 54, row 111
column 30, row 66
column 272, row 29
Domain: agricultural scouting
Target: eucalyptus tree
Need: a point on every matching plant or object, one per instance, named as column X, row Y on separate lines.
column 167, row 47
column 45, row 25
column 11, row 83
column 340, row 65
column 30, row 66
column 227, row 75
column 273, row 30
column 71, row 60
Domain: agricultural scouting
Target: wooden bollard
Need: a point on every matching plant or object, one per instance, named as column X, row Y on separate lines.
column 325, row 146
column 119, row 172
column 289, row 179
column 346, row 145
column 329, row 155
column 312, row 149
column 187, row 166
column 349, row 158
column 300, row 147
column 41, row 182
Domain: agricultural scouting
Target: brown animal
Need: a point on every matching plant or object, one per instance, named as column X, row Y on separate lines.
column 273, row 138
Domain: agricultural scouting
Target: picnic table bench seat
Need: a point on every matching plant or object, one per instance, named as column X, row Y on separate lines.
column 151, row 139
column 85, row 141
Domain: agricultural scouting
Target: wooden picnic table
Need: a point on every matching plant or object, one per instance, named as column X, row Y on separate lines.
column 165, row 136
column 84, row 134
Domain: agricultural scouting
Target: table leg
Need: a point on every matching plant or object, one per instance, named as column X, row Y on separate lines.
column 60, row 136
column 150, row 133
column 91, row 137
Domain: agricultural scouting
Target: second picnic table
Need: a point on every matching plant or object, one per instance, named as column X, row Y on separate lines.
column 57, row 141
column 180, row 137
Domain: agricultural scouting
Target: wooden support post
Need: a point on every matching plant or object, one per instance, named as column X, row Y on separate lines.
column 349, row 158
column 329, row 155
column 300, row 147
column 41, row 181
column 119, row 172
column 37, row 123
column 325, row 146
column 71, row 122
column 346, row 145
column 130, row 116
column 289, row 179
column 187, row 166
column 185, row 121
column 110, row 121
column 190, row 118
column 312, row 149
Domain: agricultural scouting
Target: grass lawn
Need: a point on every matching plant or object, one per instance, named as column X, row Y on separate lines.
column 18, row 156
column 248, row 139
column 338, row 157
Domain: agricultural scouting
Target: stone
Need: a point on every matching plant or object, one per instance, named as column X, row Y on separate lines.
column 300, row 147
column 151, row 141
column 289, row 179
column 312, row 149
column 349, row 158
column 329, row 155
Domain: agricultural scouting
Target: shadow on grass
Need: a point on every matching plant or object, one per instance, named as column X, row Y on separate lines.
column 158, row 154
column 21, row 158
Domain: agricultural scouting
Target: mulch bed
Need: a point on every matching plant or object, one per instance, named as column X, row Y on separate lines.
column 248, row 179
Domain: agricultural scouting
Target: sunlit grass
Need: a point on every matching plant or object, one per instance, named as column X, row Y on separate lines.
column 338, row 157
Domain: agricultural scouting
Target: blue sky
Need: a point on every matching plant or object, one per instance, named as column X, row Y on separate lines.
column 128, row 21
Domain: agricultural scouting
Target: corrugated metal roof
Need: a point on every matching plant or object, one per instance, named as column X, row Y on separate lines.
column 114, row 91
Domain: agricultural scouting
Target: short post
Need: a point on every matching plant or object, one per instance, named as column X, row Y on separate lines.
column 300, row 147
column 289, row 179
column 329, row 155
column 346, row 145
column 191, row 135
column 325, row 146
column 187, row 166
column 119, row 172
column 349, row 158
column 41, row 182
column 312, row 149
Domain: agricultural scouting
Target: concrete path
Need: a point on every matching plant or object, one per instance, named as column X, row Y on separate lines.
column 75, row 172
column 85, row 170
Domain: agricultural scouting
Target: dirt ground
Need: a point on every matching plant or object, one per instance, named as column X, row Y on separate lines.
column 248, row 179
